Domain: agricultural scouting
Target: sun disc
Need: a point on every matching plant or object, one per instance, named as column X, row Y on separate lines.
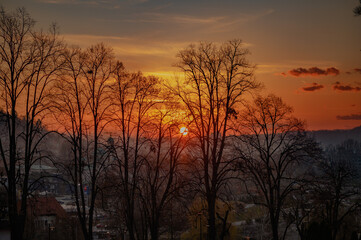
column 183, row 131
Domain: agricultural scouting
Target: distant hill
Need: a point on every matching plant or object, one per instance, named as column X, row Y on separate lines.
column 334, row 137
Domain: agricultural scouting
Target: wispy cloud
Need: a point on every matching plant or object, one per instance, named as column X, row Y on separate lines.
column 345, row 87
column 137, row 53
column 195, row 20
column 130, row 45
column 230, row 22
column 174, row 18
column 220, row 23
column 85, row 40
column 312, row 72
column 109, row 4
column 358, row 70
column 349, row 117
column 313, row 87
column 75, row 2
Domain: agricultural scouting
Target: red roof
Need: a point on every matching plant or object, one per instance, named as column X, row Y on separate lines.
column 45, row 206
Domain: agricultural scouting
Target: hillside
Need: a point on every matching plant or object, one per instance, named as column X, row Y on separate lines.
column 327, row 137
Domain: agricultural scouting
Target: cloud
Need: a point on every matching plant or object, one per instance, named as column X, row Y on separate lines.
column 104, row 4
column 343, row 87
column 71, row 2
column 86, row 2
column 230, row 23
column 358, row 70
column 314, row 72
column 314, row 87
column 195, row 20
column 206, row 23
column 172, row 18
column 128, row 45
column 137, row 53
column 349, row 117
column 283, row 74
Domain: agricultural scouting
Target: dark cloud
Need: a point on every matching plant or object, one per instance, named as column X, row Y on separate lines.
column 314, row 87
column 314, row 72
column 349, row 117
column 358, row 70
column 343, row 87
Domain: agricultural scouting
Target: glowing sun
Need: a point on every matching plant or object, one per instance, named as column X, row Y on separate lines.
column 183, row 131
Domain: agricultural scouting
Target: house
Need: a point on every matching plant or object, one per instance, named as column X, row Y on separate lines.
column 46, row 219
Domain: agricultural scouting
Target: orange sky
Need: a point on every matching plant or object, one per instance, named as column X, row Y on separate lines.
column 307, row 52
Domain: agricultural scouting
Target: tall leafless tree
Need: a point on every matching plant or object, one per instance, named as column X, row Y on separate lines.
column 160, row 178
column 216, row 78
column 97, row 70
column 134, row 95
column 82, row 103
column 272, row 147
column 69, row 109
column 29, row 60
column 336, row 188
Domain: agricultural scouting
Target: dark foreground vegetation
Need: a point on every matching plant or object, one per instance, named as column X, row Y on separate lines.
column 90, row 150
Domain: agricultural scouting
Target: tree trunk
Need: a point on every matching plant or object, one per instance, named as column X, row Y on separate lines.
column 224, row 226
column 154, row 231
column 274, row 224
column 17, row 228
column 212, row 218
column 130, row 226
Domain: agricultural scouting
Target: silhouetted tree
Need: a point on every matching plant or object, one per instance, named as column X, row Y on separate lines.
column 28, row 61
column 354, row 236
column 133, row 96
column 82, row 101
column 69, row 109
column 301, row 206
column 98, row 79
column 318, row 231
column 357, row 10
column 160, row 178
column 272, row 146
column 216, row 78
column 337, row 185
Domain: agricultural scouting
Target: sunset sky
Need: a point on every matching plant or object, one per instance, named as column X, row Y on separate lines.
column 306, row 51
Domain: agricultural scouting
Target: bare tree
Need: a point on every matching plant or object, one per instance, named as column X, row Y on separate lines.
column 134, row 95
column 98, row 71
column 82, row 102
column 216, row 79
column 301, row 205
column 160, row 178
column 336, row 188
column 357, row 10
column 69, row 109
column 29, row 60
column 272, row 146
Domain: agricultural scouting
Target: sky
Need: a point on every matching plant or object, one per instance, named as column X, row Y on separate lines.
column 306, row 51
